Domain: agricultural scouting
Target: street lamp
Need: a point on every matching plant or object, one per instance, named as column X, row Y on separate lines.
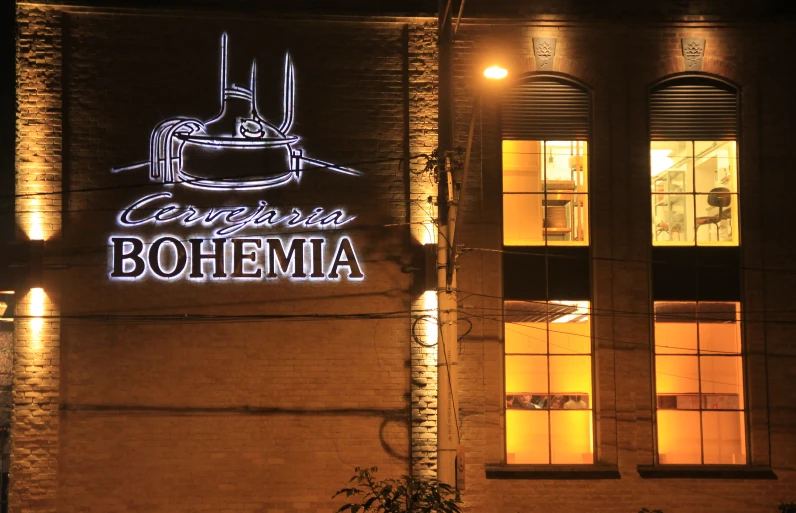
column 493, row 73
column 450, row 459
column 496, row 73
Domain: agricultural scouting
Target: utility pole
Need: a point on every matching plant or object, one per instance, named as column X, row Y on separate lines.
column 448, row 347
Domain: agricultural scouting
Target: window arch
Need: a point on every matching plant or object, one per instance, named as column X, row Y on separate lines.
column 694, row 162
column 545, row 131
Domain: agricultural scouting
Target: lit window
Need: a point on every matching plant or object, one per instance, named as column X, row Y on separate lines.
column 549, row 399
column 545, row 193
column 694, row 193
column 699, row 383
column 693, row 162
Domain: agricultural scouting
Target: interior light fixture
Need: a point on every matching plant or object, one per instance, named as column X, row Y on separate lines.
column 660, row 161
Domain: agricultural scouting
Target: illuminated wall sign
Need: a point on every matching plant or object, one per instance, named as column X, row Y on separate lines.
column 169, row 257
column 236, row 150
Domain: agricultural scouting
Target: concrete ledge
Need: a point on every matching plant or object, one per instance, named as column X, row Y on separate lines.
column 705, row 472
column 552, row 472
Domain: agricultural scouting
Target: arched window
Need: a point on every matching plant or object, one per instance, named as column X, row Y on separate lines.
column 549, row 393
column 693, row 162
column 699, row 385
column 545, row 129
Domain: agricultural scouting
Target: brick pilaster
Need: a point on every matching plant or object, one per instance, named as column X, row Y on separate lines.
column 34, row 423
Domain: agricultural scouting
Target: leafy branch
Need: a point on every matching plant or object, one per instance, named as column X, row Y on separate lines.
column 405, row 495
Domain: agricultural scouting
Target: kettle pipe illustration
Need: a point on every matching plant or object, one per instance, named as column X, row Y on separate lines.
column 238, row 126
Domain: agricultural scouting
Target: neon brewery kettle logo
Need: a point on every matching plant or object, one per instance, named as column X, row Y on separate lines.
column 237, row 150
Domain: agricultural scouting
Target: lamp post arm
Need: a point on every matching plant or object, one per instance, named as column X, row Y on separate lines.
column 458, row 204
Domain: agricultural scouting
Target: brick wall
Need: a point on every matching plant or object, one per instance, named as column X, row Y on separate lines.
column 618, row 62
column 164, row 411
column 245, row 414
column 36, row 366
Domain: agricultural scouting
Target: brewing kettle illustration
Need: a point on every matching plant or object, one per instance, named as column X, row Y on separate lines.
column 237, row 149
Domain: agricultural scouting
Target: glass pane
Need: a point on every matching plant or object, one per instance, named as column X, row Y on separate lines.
column 722, row 382
column 527, row 437
column 671, row 215
column 558, row 217
column 561, row 159
column 526, row 375
column 723, row 435
column 715, row 219
column 677, row 382
column 671, row 166
column 675, row 327
column 522, row 220
column 570, row 329
column 678, row 437
column 570, row 382
column 571, row 437
column 566, row 188
column 719, row 328
column 579, row 163
column 580, row 231
column 671, row 162
column 523, row 174
column 522, row 166
column 715, row 165
column 526, row 337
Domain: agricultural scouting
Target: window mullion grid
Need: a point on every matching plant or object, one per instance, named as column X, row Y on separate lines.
column 544, row 195
column 699, row 384
column 547, row 360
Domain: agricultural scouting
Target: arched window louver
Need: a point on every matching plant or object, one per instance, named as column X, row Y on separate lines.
column 548, row 108
column 693, row 109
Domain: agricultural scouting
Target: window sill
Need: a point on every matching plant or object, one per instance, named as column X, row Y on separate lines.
column 551, row 472
column 705, row 472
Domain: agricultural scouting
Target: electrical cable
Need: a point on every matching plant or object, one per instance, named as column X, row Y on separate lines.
column 157, row 184
column 627, row 260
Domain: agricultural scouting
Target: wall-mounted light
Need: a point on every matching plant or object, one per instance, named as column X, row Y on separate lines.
column 36, row 264
column 36, row 312
column 36, row 226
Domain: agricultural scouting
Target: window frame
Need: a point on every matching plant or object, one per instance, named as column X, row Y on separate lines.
column 742, row 354
column 592, row 405
column 668, row 261
column 548, row 253
column 728, row 134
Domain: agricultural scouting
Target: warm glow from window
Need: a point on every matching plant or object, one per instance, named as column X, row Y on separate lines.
column 495, row 73
column 660, row 160
column 545, row 193
column 549, row 399
column 694, row 193
column 699, row 383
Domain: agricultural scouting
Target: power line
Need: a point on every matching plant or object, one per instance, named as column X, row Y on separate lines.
column 590, row 354
column 157, row 184
column 629, row 343
column 185, row 318
column 607, row 312
column 690, row 263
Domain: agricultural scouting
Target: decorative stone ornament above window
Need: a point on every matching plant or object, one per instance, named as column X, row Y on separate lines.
column 693, row 52
column 544, row 49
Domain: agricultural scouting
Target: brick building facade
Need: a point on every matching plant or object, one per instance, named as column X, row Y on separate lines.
column 176, row 356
